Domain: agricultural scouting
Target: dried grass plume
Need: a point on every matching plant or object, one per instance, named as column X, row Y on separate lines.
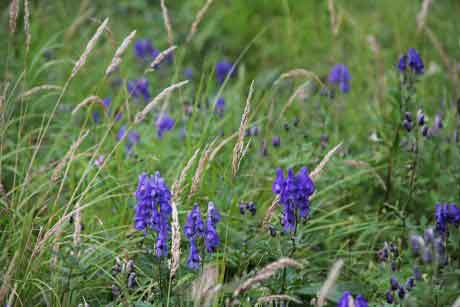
column 198, row 18
column 117, row 58
column 329, row 283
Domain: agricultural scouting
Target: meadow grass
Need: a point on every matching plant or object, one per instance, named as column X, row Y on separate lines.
column 67, row 175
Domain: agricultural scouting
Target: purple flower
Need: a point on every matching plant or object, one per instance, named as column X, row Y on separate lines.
column 220, row 105
column 294, row 192
column 188, row 73
column 194, row 259
column 276, row 141
column 389, row 297
column 224, row 68
column 164, row 123
column 194, row 227
column 412, row 61
column 139, row 88
column 153, row 209
column 118, row 116
column 96, row 117
column 394, row 283
column 144, row 50
column 121, row 133
column 346, row 300
column 99, row 161
column 211, row 236
column 340, row 76
column 446, row 214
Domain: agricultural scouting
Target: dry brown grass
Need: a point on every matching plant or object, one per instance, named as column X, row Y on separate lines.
column 13, row 13
column 117, row 58
column 198, row 18
column 167, row 22
column 329, row 283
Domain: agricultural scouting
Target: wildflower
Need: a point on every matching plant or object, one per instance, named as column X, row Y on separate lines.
column 139, row 88
column 188, row 73
column 401, row 292
column 242, row 208
column 425, row 130
column 194, row 226
column 194, row 259
column 420, row 117
column 276, row 141
column 346, row 300
column 164, row 123
column 438, row 121
column 340, row 76
column 144, row 50
column 223, row 69
column 132, row 282
column 389, row 297
column 417, row 244
column 394, row 283
column 294, row 192
column 446, row 214
column 153, row 209
column 428, row 235
column 417, row 273
column 212, row 238
column 99, row 161
column 410, row 283
column 412, row 61
column 219, row 106
column 251, row 207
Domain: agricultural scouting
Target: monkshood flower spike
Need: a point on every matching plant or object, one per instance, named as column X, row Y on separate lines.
column 340, row 76
column 139, row 88
column 294, row 192
column 446, row 214
column 212, row 239
column 346, row 300
column 411, row 61
column 153, row 209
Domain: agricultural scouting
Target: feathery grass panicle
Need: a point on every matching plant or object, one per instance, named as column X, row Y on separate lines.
column 221, row 145
column 239, row 145
column 270, row 210
column 165, row 92
column 329, row 283
column 299, row 90
column 167, row 22
column 177, row 187
column 315, row 173
column 202, row 163
column 36, row 89
column 14, row 13
column 298, row 73
column 204, row 283
column 77, row 226
column 117, row 58
column 278, row 297
column 27, row 25
column 70, row 152
column 333, row 17
column 89, row 48
column 161, row 57
column 266, row 273
column 198, row 18
column 85, row 102
column 422, row 14
column 7, row 277
column 175, row 225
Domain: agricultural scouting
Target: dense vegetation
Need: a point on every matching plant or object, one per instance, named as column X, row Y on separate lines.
column 229, row 153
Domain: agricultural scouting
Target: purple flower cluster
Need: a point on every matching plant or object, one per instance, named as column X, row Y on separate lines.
column 153, row 209
column 446, row 214
column 411, row 61
column 144, row 50
column 430, row 247
column 340, row 76
column 219, row 106
column 250, row 206
column 223, row 69
column 139, row 88
column 400, row 290
column 194, row 229
column 346, row 300
column 294, row 192
column 164, row 123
